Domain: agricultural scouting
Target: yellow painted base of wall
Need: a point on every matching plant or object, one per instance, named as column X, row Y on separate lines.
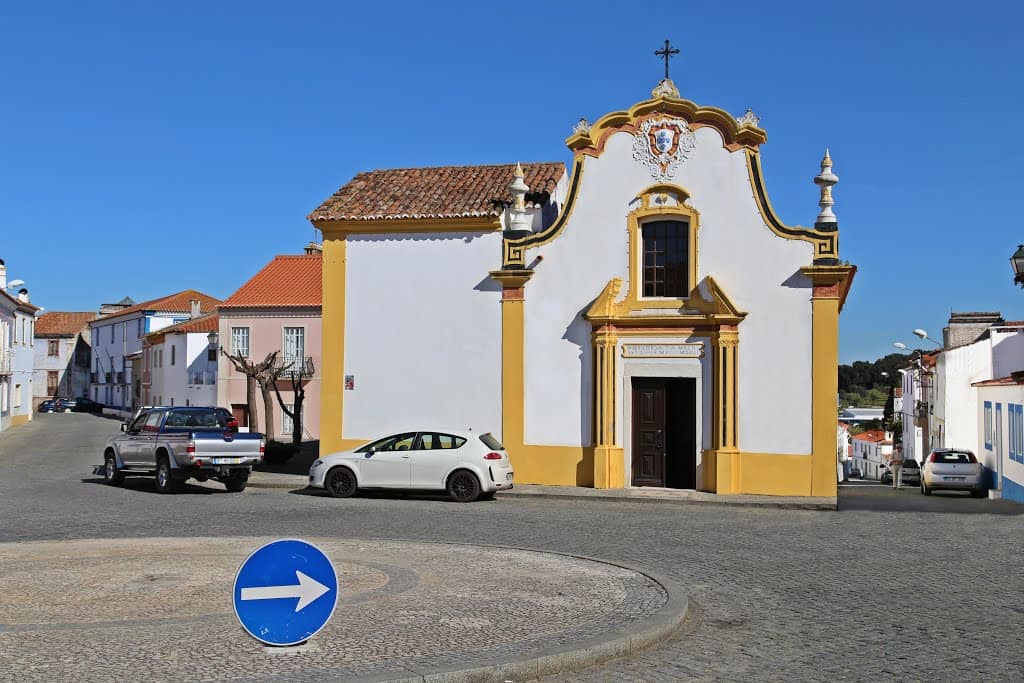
column 20, row 419
column 553, row 465
column 768, row 474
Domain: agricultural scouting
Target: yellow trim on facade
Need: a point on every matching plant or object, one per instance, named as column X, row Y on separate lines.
column 20, row 420
column 826, row 243
column 829, row 283
column 403, row 225
column 660, row 202
column 591, row 142
column 332, row 371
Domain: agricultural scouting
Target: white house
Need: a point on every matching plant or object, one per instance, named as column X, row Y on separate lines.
column 180, row 364
column 17, row 331
column 117, row 341
column 871, row 452
column 1001, row 441
column 62, row 354
column 996, row 352
column 843, row 463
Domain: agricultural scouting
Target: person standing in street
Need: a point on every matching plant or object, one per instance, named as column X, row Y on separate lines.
column 896, row 464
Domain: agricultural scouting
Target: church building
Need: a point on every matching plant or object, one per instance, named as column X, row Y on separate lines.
column 645, row 319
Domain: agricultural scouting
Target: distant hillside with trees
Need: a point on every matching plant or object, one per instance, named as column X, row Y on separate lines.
column 862, row 385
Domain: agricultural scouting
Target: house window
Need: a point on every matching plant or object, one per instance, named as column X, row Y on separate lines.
column 52, row 378
column 988, row 425
column 240, row 341
column 666, row 259
column 17, row 395
column 211, row 355
column 173, row 348
column 294, row 346
column 53, row 348
column 111, row 334
column 1016, row 415
column 138, row 328
column 286, row 422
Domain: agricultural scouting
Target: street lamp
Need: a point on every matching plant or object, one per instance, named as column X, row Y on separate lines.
column 1017, row 261
column 212, row 338
column 924, row 335
column 900, row 345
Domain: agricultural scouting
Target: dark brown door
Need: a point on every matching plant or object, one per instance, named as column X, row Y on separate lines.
column 241, row 413
column 51, row 383
column 648, row 432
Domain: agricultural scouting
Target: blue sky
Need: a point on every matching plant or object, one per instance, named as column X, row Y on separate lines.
column 147, row 148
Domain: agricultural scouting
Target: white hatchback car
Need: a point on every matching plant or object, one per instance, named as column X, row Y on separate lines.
column 465, row 464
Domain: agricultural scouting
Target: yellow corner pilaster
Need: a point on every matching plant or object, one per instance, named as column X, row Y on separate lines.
column 827, row 284
column 609, row 466
column 332, row 370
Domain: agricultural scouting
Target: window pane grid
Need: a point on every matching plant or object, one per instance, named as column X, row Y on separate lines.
column 666, row 259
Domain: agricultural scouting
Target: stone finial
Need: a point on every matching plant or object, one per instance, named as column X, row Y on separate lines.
column 518, row 218
column 749, row 118
column 582, row 127
column 825, row 180
column 665, row 89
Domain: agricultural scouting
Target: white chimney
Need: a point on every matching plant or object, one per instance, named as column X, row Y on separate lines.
column 195, row 308
column 23, row 295
column 3, row 275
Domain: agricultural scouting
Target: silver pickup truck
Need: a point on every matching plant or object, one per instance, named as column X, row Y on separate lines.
column 175, row 444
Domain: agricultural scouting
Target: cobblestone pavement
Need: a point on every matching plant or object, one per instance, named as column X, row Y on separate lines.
column 102, row 607
column 872, row 592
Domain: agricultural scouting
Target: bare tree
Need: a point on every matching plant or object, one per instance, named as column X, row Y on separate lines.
column 257, row 374
column 299, row 395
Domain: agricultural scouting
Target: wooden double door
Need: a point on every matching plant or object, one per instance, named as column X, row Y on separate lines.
column 664, row 448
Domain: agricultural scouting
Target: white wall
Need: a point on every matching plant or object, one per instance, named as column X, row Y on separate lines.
column 757, row 270
column 173, row 384
column 422, row 333
column 956, row 400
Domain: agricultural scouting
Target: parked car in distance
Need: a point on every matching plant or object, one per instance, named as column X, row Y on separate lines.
column 465, row 464
column 49, row 405
column 78, row 405
column 855, row 473
column 885, row 476
column 953, row 469
column 910, row 473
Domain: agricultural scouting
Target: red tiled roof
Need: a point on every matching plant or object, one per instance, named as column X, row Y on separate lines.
column 179, row 302
column 285, row 281
column 1000, row 382
column 440, row 192
column 872, row 435
column 63, row 323
column 204, row 323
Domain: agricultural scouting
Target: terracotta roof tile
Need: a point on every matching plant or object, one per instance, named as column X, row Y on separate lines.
column 179, row 302
column 1010, row 381
column 204, row 323
column 441, row 192
column 63, row 323
column 285, row 281
column 872, row 435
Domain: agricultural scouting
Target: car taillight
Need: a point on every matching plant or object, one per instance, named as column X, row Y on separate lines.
column 263, row 445
column 931, row 458
column 970, row 456
column 492, row 456
column 191, row 448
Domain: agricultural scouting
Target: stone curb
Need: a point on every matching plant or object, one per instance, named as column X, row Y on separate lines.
column 268, row 480
column 668, row 620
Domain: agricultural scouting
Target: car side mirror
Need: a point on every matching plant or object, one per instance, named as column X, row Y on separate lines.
column 124, row 426
column 371, row 450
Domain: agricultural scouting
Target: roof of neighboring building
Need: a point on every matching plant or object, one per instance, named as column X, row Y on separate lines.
column 24, row 306
column 290, row 280
column 1002, row 381
column 204, row 323
column 872, row 436
column 63, row 323
column 179, row 302
column 438, row 192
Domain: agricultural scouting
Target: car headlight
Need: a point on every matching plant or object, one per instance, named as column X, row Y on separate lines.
column 316, row 463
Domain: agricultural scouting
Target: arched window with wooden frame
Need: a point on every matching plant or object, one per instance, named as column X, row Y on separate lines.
column 662, row 248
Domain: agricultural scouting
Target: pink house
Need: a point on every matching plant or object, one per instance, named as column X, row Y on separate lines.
column 279, row 309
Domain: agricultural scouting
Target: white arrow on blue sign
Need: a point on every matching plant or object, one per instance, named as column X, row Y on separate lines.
column 285, row 592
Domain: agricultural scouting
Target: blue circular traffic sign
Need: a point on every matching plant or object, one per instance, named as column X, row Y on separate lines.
column 285, row 592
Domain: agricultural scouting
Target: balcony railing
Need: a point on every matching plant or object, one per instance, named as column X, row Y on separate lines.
column 290, row 365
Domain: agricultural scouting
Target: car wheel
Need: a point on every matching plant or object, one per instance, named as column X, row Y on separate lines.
column 167, row 480
column 463, row 486
column 340, row 482
column 979, row 493
column 236, row 481
column 111, row 474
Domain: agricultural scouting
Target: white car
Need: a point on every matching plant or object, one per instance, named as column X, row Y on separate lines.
column 465, row 464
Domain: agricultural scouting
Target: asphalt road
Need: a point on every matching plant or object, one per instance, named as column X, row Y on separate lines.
column 884, row 589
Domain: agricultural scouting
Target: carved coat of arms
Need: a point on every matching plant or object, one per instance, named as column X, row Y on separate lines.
column 662, row 144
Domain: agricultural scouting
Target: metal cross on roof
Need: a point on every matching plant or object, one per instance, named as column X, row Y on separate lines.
column 667, row 53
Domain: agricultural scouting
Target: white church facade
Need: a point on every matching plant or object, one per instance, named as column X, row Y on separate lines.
column 643, row 320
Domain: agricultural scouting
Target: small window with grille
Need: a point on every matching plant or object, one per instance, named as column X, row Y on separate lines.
column 666, row 259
